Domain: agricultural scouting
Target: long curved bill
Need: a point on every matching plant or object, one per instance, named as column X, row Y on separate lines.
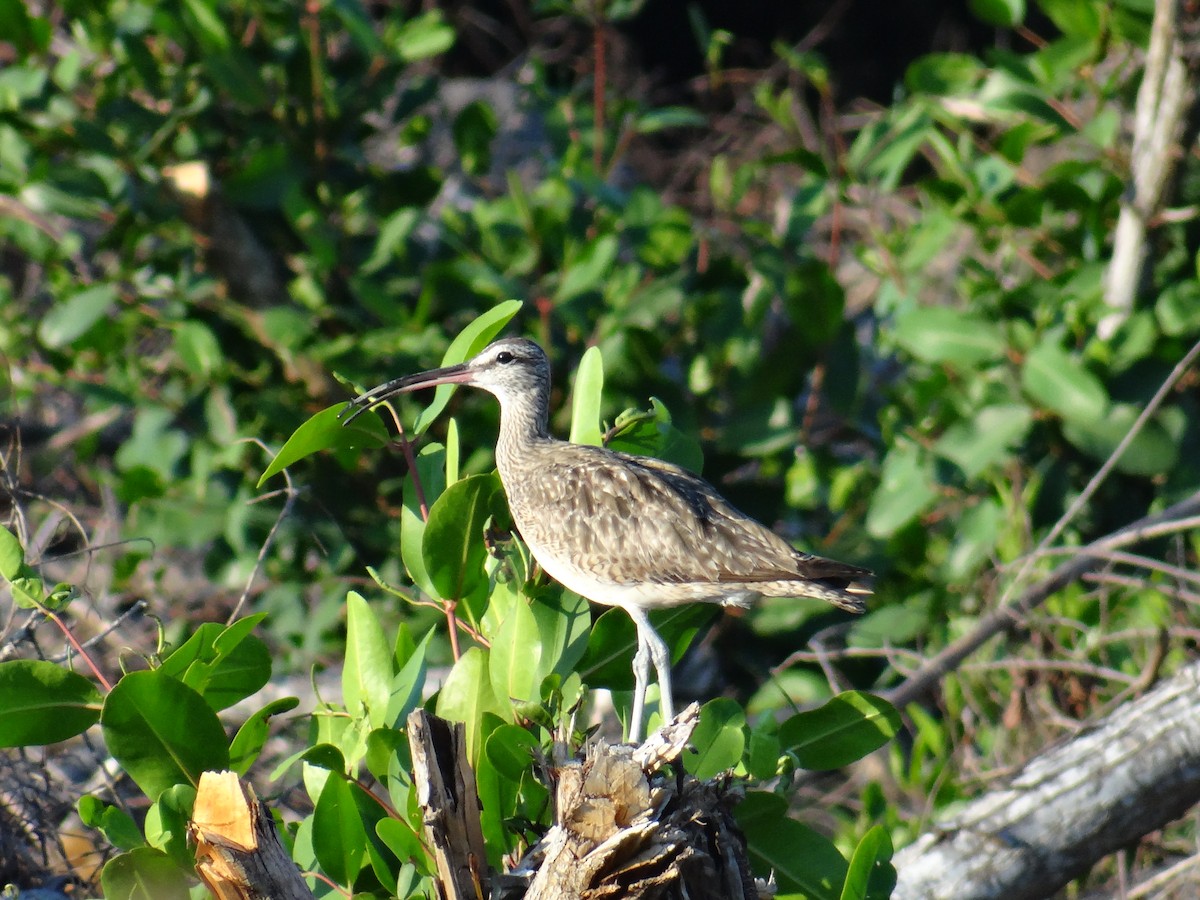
column 459, row 374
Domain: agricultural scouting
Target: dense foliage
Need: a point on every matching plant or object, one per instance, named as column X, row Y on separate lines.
column 876, row 331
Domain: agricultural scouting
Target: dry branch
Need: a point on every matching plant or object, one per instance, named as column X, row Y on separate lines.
column 1127, row 776
column 1011, row 615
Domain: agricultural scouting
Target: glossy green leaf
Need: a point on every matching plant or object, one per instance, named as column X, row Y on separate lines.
column 564, row 621
column 652, row 433
column 252, row 736
column 43, row 703
column 162, row 732
column 116, row 824
column 586, row 398
column 844, row 730
column 762, row 757
column 400, row 838
column 453, row 545
column 167, row 823
column 469, row 342
column 325, row 431
column 367, row 670
column 467, row 695
column 870, row 873
column 717, row 743
column 431, row 470
column 511, row 750
column 514, row 662
column 339, row 835
column 1059, row 381
column 224, row 663
column 801, row 859
column 145, row 874
column 74, row 317
column 907, row 488
column 939, row 334
column 408, row 684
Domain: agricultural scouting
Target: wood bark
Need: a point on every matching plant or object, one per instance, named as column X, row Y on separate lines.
column 1129, row 775
column 446, row 792
column 239, row 855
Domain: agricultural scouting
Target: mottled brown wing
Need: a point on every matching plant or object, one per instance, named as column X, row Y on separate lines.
column 646, row 520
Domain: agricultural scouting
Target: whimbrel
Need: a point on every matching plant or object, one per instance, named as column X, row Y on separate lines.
column 623, row 530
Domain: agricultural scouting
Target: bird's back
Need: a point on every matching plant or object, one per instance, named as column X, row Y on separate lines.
column 624, row 530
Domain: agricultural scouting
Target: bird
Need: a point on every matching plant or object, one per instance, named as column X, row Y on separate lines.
column 620, row 529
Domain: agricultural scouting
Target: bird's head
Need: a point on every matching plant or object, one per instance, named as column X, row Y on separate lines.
column 508, row 368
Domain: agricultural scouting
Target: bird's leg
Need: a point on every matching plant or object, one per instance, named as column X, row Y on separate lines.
column 651, row 649
column 641, row 678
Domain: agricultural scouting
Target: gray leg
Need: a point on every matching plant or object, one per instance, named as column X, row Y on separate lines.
column 651, row 649
column 641, row 679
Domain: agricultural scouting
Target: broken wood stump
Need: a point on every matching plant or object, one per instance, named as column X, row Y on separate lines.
column 628, row 825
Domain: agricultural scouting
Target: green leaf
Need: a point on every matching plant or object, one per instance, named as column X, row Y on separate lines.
column 1152, row 452
column 43, row 703
column 907, row 488
column 844, row 730
column 652, row 433
column 469, row 342
column 762, row 760
column 325, row 431
column 564, row 621
column 986, row 439
column 453, row 545
column 431, row 470
column 250, row 739
column 939, row 334
column 198, row 348
column 718, row 741
column 511, row 751
column 1002, row 13
column 367, row 670
column 162, row 732
column 870, row 873
column 339, row 836
column 467, row 694
column 1059, row 381
column 72, row 318
column 514, row 662
column 117, row 825
column 943, row 73
column 669, row 117
column 225, row 664
column 424, row 36
column 12, row 556
column 408, row 683
column 474, row 129
column 801, row 859
column 144, row 874
column 585, row 271
column 167, row 823
column 586, row 398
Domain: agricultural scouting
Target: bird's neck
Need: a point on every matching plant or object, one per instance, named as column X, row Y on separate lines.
column 523, row 425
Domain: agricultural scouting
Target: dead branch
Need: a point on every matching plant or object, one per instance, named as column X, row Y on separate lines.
column 1128, row 775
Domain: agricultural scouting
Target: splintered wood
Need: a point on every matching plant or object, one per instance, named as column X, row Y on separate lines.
column 449, row 802
column 623, row 829
column 238, row 852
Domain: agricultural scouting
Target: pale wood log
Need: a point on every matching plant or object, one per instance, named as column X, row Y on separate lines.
column 1130, row 774
column 239, row 855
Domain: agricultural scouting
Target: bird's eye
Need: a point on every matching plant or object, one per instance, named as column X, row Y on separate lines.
column 504, row 357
